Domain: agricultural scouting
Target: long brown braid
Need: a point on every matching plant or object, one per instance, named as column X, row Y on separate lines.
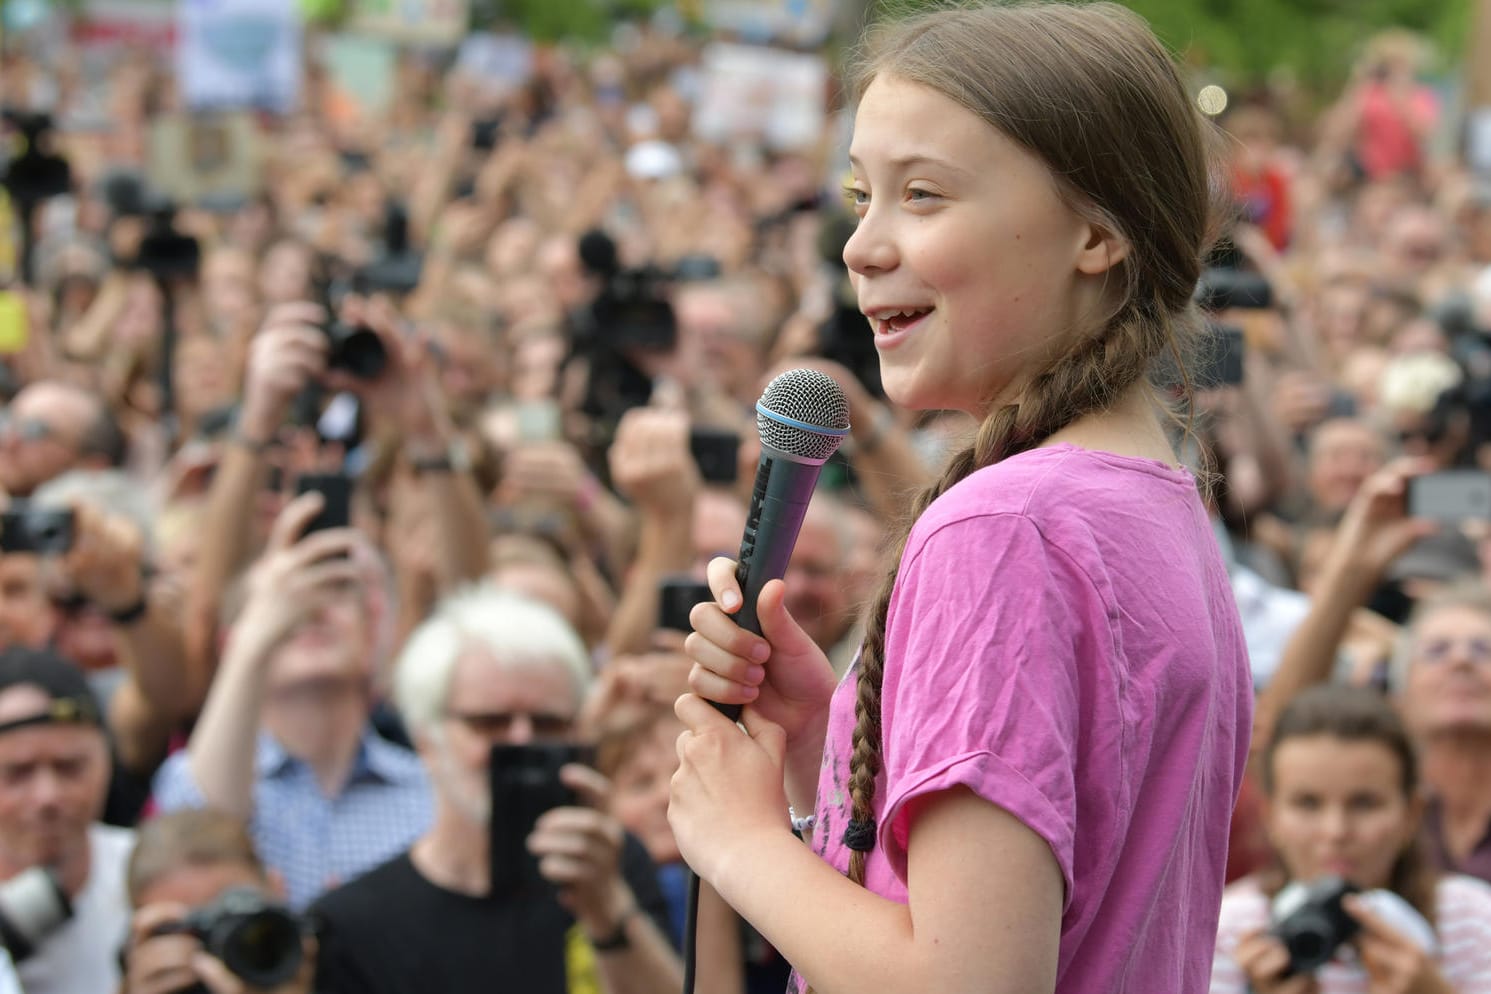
column 1090, row 91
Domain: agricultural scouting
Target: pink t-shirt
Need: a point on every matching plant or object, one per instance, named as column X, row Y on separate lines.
column 1063, row 641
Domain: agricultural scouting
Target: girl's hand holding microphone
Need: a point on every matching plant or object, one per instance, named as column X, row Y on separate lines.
column 729, row 786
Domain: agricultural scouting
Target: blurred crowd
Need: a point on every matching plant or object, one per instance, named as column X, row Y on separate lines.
column 352, row 521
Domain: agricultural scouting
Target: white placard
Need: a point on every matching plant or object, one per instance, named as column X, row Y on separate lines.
column 754, row 93
column 239, row 53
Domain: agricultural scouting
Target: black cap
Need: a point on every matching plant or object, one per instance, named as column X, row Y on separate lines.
column 72, row 700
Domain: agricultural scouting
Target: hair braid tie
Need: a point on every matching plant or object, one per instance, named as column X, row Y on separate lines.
column 859, row 835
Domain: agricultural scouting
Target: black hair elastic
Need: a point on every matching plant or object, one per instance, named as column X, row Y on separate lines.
column 860, row 835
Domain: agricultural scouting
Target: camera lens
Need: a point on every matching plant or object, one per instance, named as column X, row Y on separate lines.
column 263, row 948
column 358, row 350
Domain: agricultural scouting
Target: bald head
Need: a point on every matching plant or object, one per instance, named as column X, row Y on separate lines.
column 50, row 428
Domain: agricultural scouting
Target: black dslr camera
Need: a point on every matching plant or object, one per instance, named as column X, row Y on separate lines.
column 1312, row 924
column 256, row 938
column 39, row 530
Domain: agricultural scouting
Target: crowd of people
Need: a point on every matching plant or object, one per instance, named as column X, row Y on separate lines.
column 344, row 518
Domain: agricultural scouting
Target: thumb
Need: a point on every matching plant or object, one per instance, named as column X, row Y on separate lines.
column 216, row 976
column 767, row 734
column 777, row 624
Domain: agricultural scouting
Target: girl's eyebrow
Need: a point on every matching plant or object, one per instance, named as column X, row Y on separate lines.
column 908, row 160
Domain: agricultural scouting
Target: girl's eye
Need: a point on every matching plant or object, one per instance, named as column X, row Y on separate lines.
column 917, row 195
column 856, row 197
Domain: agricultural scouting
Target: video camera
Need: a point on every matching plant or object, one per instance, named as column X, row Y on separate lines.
column 164, row 252
column 258, row 939
column 631, row 315
column 34, row 174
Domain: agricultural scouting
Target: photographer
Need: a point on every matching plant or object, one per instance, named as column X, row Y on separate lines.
column 51, row 427
column 183, row 866
column 584, row 913
column 285, row 740
column 1342, row 787
column 62, row 902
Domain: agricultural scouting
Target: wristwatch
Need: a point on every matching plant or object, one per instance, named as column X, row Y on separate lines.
column 618, row 939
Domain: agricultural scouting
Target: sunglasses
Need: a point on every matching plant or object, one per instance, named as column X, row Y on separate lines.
column 499, row 724
column 26, row 429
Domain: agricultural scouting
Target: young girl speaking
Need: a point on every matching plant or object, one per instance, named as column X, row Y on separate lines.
column 1027, row 778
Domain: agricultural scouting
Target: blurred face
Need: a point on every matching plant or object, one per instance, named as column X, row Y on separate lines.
column 1342, row 456
column 639, row 790
column 330, row 652
column 1448, row 688
column 815, row 582
column 719, row 521
column 490, row 704
column 27, row 616
column 39, row 436
column 52, row 783
column 285, row 274
column 965, row 256
column 1338, row 808
column 195, row 886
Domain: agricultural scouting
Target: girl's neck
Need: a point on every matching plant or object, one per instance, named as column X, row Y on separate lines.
column 1131, row 427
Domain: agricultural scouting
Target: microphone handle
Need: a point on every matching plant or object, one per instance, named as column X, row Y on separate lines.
column 779, row 501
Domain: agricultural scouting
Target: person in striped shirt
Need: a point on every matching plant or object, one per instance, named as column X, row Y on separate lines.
column 1343, row 799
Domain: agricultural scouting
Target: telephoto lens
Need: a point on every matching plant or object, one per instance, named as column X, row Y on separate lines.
column 356, row 349
column 258, row 939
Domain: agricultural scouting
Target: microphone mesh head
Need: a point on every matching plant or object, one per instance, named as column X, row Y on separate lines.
column 809, row 397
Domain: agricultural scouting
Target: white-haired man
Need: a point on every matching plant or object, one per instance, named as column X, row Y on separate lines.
column 493, row 668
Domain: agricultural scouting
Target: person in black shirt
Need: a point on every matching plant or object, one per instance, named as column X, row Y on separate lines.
column 493, row 668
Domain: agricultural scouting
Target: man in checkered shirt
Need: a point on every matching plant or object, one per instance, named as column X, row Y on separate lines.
column 284, row 739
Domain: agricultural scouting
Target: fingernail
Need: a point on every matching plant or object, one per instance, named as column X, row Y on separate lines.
column 760, row 651
column 755, row 674
column 729, row 600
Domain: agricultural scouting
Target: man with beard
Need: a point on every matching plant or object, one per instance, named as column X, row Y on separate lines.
column 492, row 668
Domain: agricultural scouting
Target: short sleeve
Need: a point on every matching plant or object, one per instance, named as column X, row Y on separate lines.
column 982, row 685
column 174, row 787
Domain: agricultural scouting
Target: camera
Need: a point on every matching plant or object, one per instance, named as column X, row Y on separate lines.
column 525, row 785
column 33, row 174
column 39, row 530
column 1312, row 924
column 258, row 939
column 32, row 906
column 355, row 349
column 1224, row 289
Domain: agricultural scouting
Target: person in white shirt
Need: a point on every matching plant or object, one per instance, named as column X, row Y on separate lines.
column 54, row 774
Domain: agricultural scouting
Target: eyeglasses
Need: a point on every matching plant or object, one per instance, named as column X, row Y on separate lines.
column 1432, row 434
column 499, row 724
column 26, row 429
column 1439, row 650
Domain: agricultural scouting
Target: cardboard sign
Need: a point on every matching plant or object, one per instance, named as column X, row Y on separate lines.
column 425, row 22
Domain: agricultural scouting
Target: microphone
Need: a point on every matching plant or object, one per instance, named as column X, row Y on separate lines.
column 802, row 417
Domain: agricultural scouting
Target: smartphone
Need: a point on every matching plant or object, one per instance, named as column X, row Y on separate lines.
column 716, row 453
column 524, row 782
column 15, row 327
column 676, row 598
column 336, row 493
column 1451, row 497
column 538, row 421
column 39, row 530
column 1221, row 357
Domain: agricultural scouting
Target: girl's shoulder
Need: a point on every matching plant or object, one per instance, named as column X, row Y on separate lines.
column 1063, row 487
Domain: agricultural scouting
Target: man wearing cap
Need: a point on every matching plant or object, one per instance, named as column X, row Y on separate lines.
column 54, row 772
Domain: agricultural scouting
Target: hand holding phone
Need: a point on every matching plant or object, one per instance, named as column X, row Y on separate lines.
column 525, row 785
column 336, row 497
column 1452, row 497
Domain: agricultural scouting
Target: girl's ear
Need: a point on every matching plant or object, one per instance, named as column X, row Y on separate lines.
column 1101, row 250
